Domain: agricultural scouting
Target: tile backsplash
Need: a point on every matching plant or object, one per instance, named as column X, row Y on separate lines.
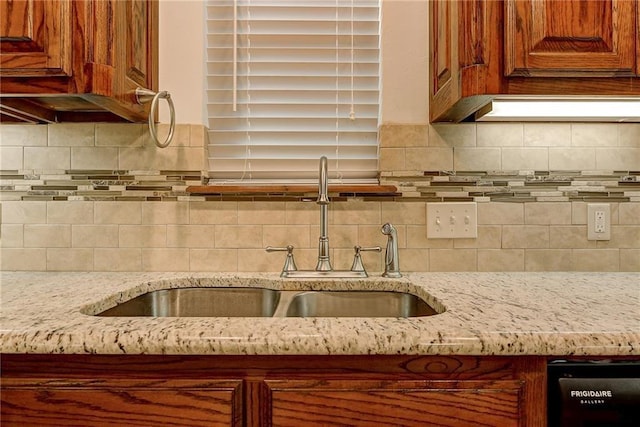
column 102, row 197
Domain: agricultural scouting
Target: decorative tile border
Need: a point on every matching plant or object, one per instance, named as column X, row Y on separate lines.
column 436, row 186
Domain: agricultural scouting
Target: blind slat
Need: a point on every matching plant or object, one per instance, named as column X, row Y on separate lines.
column 307, row 85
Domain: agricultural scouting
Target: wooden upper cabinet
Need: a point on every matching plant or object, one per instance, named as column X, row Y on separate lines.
column 35, row 37
column 570, row 38
column 482, row 49
column 80, row 60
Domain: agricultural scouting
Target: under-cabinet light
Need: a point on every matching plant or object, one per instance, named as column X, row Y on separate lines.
column 563, row 110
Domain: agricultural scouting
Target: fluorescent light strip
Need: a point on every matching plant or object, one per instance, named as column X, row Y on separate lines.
column 563, row 110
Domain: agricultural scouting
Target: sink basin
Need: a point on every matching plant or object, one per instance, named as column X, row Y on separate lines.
column 200, row 302
column 357, row 304
column 260, row 302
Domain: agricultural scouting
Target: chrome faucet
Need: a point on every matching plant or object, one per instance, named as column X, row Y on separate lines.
column 324, row 261
column 391, row 258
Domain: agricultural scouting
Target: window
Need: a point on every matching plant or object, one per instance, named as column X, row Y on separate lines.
column 300, row 79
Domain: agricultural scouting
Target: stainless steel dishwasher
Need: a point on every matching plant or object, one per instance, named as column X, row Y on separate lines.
column 603, row 393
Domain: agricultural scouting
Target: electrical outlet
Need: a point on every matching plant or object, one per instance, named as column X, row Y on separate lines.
column 598, row 221
column 453, row 220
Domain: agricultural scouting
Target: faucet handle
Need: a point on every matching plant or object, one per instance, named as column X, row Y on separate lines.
column 357, row 259
column 289, row 262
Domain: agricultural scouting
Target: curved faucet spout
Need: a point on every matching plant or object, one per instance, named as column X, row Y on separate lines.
column 324, row 262
column 323, row 182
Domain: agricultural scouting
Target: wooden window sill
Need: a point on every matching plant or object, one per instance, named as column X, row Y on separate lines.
column 293, row 190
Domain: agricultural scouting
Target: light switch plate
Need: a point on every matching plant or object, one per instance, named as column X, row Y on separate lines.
column 455, row 220
column 598, row 221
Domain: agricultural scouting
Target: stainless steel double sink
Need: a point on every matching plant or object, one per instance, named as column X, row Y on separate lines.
column 260, row 302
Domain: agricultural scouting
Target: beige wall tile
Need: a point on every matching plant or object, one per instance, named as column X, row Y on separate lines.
column 629, row 213
column 525, row 159
column 18, row 212
column 453, row 260
column 547, row 134
column 181, row 135
column 548, row 260
column 500, row 213
column 116, row 259
column 630, row 260
column 261, row 212
column 547, row 213
column 571, row 236
column 47, row 158
column 213, row 260
column 238, row 236
column 500, row 259
column 283, row 235
column 417, row 238
column 622, row 236
column 594, row 135
column 118, row 212
column 452, row 135
column 477, row 159
column 579, row 213
column 371, row 235
column 213, row 212
column 413, row 260
column 303, row 213
column 611, row 158
column 19, row 259
column 11, row 236
column 489, row 237
column 142, row 236
column 190, row 236
column 413, row 213
column 403, row 135
column 340, row 236
column 355, row 212
column 94, row 158
column 23, row 135
column 121, row 134
column 165, row 212
column 629, row 134
column 525, row 236
column 259, row 260
column 165, row 259
column 199, row 136
column 70, row 212
column 392, row 159
column 47, row 236
column 11, row 158
column 596, row 259
column 170, row 158
column 572, row 159
column 429, row 158
column 94, row 236
column 70, row 259
column 500, row 134
column 72, row 135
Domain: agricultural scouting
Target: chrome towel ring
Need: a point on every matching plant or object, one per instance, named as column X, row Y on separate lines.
column 145, row 95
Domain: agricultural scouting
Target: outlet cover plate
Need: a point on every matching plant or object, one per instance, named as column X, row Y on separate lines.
column 598, row 221
column 454, row 220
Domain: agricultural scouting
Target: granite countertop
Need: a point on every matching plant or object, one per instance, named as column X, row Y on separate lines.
column 484, row 314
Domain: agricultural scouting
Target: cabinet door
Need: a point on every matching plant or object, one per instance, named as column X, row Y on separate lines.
column 567, row 38
column 35, row 38
column 393, row 403
column 48, row 402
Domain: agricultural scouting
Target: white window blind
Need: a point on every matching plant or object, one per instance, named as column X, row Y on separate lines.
column 289, row 81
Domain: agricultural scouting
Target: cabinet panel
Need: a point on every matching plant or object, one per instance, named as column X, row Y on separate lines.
column 35, row 38
column 49, row 402
column 570, row 38
column 393, row 403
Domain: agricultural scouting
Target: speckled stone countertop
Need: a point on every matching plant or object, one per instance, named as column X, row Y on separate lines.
column 484, row 314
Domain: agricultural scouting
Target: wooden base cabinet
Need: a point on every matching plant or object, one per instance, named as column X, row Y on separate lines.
column 41, row 390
